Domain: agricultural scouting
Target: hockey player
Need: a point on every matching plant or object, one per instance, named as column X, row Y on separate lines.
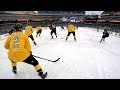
column 53, row 30
column 71, row 29
column 105, row 34
column 39, row 30
column 29, row 31
column 20, row 51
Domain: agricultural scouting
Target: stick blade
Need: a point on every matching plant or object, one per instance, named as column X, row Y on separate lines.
column 56, row 60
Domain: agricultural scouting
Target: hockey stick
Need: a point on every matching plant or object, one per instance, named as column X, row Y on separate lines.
column 46, row 59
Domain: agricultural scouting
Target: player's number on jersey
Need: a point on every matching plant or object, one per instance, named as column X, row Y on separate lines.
column 16, row 41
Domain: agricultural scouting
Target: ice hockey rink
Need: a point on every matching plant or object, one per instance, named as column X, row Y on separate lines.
column 85, row 58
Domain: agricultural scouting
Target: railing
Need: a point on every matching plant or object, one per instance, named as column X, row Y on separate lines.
column 4, row 28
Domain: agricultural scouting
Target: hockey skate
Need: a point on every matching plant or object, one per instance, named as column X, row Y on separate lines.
column 14, row 70
column 35, row 43
column 75, row 38
column 51, row 37
column 101, row 40
column 43, row 76
column 66, row 38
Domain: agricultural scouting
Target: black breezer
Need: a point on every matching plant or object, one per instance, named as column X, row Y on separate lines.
column 31, row 36
column 70, row 33
column 31, row 60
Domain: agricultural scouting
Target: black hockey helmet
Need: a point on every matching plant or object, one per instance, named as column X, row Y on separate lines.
column 18, row 27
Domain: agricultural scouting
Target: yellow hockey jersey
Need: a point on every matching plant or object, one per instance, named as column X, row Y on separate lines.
column 19, row 46
column 71, row 28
